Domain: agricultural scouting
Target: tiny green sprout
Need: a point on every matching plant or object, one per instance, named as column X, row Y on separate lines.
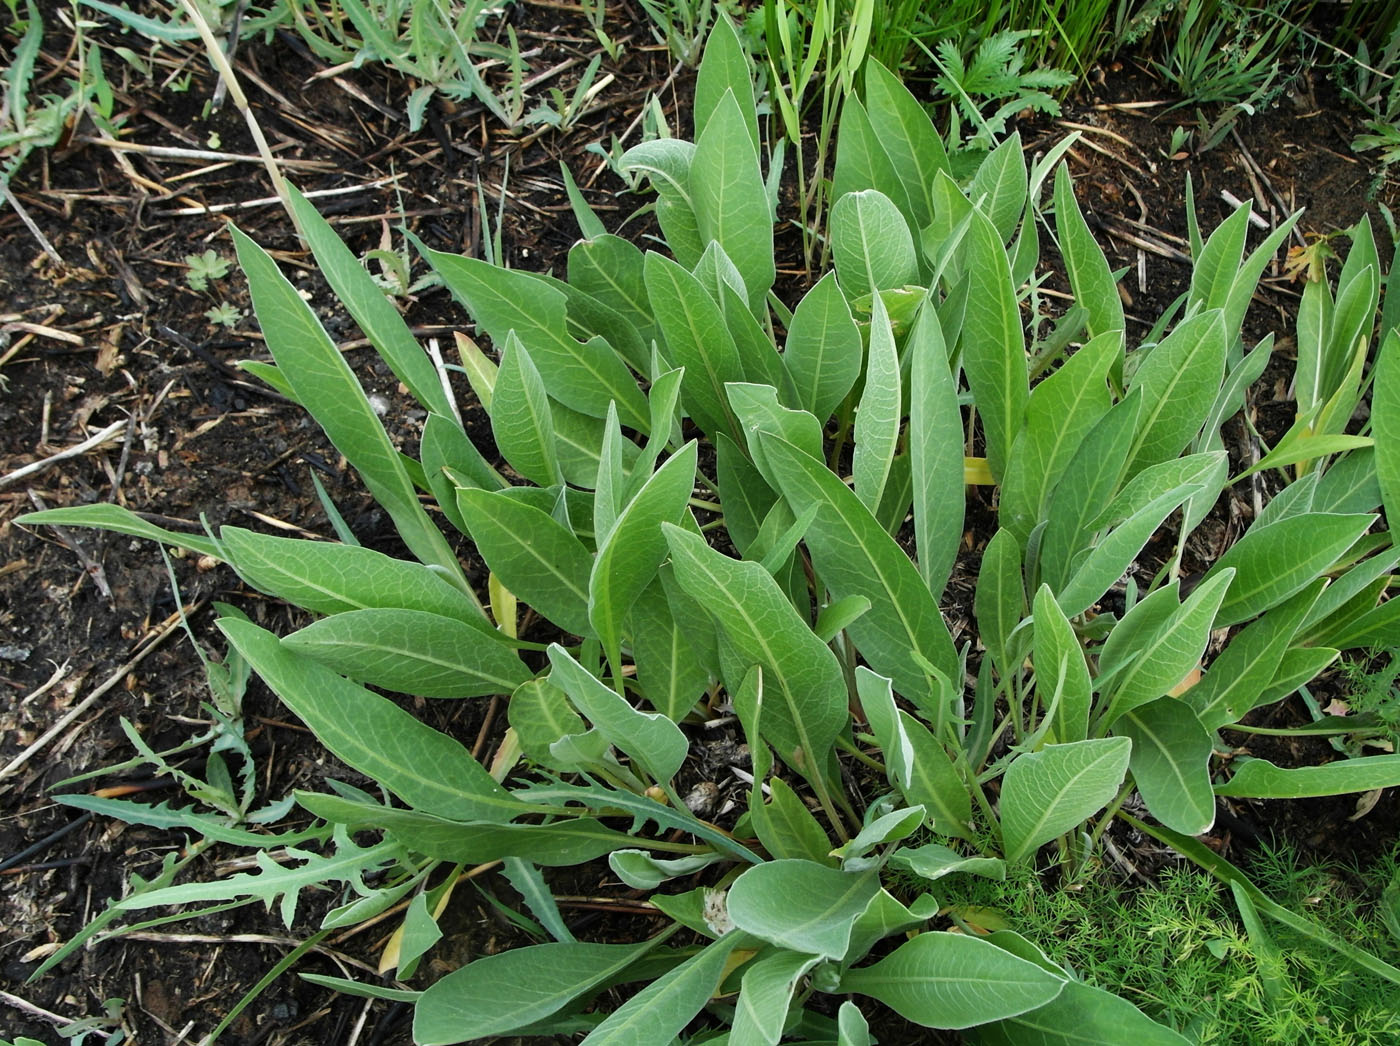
column 203, row 268
column 224, row 314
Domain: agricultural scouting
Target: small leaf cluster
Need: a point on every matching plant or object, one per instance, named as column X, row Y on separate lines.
column 723, row 508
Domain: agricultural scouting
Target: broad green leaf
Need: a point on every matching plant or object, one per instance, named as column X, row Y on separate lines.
column 1217, row 264
column 854, row 556
column 881, row 410
column 823, row 352
column 1063, row 410
column 696, row 339
column 661, row 1010
column 628, row 557
column 1087, row 268
column 673, row 648
column 1164, row 658
column 1349, row 596
column 609, row 269
column 667, row 162
column 935, row 452
column 993, row 342
column 891, row 827
column 933, row 861
column 497, row 994
column 800, row 905
column 947, row 980
column 1231, row 396
column 730, row 201
column 915, row 762
column 758, row 410
column 871, row 244
column 1314, row 330
column 445, row 447
column 1000, row 186
column 1179, row 380
column 641, row 871
column 535, row 557
column 1297, row 667
column 1246, row 279
column 331, row 578
column 410, row 652
column 1275, row 561
column 1081, row 1015
column 1087, row 485
column 1050, row 792
column 610, row 489
column 1061, row 674
column 1000, row 602
column 757, row 353
column 884, row 917
column 1385, row 422
column 805, row 694
column 725, row 66
column 583, row 376
column 425, row 768
column 907, row 135
column 522, row 423
column 1378, row 628
column 1170, row 763
column 1115, row 552
column 375, row 314
column 1261, row 779
column 540, row 714
column 785, row 826
column 861, row 161
column 744, row 493
column 327, row 388
column 651, row 739
column 851, row 1026
column 765, row 996
column 1241, row 672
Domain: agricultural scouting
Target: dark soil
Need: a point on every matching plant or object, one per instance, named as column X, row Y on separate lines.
column 115, row 333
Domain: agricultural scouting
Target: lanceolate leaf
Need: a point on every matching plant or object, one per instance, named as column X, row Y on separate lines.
column 1171, row 763
column 1088, row 271
column 696, row 339
column 538, row 559
column 1081, row 1015
column 994, row 349
column 1001, row 597
column 1061, row 674
column 1049, row 792
column 1179, row 380
column 730, row 201
column 1166, row 657
column 871, row 244
column 427, row 769
column 1385, row 422
column 823, row 349
column 655, row 742
column 327, row 388
column 1063, row 409
column 947, row 980
column 521, row 422
column 801, row 905
column 1261, row 779
column 628, row 557
column 374, row 313
column 907, row 136
column 764, row 998
column 499, row 993
column 935, row 452
column 804, row 691
column 411, row 652
column 854, row 556
column 583, row 376
column 661, row 1010
column 880, row 412
column 1275, row 561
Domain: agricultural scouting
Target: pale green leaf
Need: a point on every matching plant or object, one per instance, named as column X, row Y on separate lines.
column 880, row 412
column 1261, row 779
column 800, row 905
column 1170, row 763
column 823, row 353
column 871, row 244
column 1050, row 792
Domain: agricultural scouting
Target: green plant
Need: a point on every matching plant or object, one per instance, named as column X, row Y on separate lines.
column 1181, row 949
column 203, row 268
column 881, row 780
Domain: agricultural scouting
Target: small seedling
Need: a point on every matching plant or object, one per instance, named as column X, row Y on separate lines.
column 203, row 268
